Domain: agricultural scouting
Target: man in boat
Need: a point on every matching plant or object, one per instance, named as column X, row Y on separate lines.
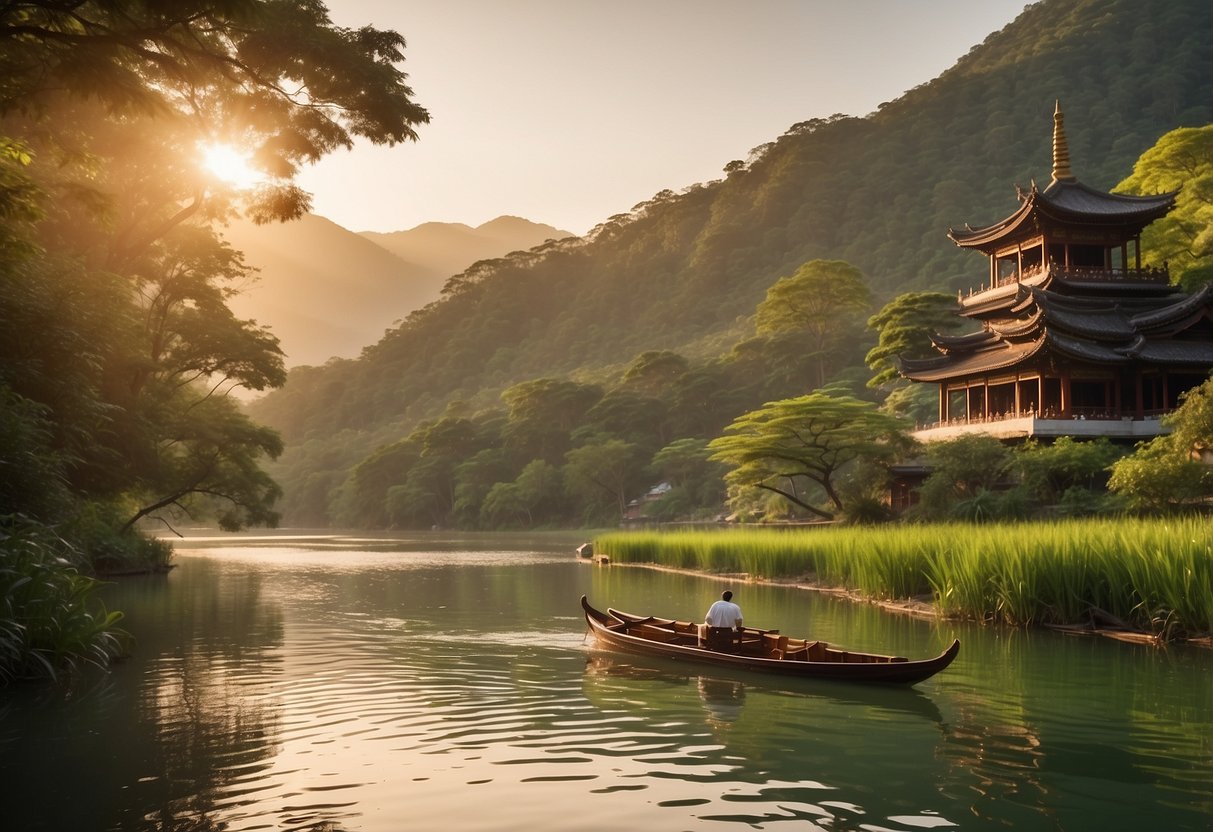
column 721, row 624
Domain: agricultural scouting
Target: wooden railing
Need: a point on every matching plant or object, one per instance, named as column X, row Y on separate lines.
column 1096, row 414
column 1150, row 274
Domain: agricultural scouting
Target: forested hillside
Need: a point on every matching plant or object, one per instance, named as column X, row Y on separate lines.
column 686, row 270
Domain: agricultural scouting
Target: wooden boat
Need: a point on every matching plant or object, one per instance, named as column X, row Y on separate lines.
column 762, row 650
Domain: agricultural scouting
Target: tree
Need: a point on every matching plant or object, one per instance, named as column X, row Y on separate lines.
column 542, row 414
column 360, row 500
column 1181, row 160
column 697, row 480
column 807, row 440
column 279, row 75
column 822, row 298
column 207, row 463
column 630, row 417
column 653, row 371
column 965, row 474
column 1049, row 471
column 905, row 326
column 1155, row 478
column 541, row 490
column 1169, row 471
column 503, row 505
column 602, row 475
column 474, row 480
column 115, row 300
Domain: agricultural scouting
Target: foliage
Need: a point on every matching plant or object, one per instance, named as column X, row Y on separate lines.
column 1065, row 466
column 1169, row 471
column 119, row 349
column 49, row 620
column 823, row 299
column 807, row 440
column 603, row 474
column 1181, row 160
column 965, row 473
column 905, row 326
column 280, row 76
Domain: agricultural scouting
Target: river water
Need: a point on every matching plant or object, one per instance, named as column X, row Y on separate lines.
column 330, row 683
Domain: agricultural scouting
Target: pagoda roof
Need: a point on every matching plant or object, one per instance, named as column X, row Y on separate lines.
column 1110, row 331
column 1067, row 202
column 940, row 367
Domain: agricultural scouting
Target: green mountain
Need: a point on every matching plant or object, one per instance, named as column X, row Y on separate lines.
column 685, row 270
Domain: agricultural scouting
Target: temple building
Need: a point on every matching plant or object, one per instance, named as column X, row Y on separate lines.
column 1076, row 337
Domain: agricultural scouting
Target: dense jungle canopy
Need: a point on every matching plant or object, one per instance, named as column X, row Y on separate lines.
column 676, row 284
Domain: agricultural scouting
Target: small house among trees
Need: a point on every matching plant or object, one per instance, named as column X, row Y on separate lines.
column 1079, row 335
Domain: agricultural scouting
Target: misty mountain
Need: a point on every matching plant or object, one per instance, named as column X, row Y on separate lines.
column 448, row 248
column 328, row 292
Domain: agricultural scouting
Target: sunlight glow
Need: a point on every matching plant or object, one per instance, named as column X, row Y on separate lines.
column 231, row 165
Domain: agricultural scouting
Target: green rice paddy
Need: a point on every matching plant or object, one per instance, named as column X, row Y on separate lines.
column 1156, row 575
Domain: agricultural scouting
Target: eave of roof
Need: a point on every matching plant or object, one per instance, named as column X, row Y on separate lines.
column 951, row 366
column 1068, row 201
column 1073, row 199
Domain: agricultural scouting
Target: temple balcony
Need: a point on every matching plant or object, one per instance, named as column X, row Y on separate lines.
column 1036, row 275
column 1084, row 423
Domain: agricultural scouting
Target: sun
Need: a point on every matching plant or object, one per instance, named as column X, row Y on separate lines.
column 231, row 165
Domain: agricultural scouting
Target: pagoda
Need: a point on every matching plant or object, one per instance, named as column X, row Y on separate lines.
column 1076, row 337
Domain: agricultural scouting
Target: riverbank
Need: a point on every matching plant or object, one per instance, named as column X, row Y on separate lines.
column 1140, row 580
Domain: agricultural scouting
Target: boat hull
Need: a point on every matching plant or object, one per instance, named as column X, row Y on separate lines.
column 642, row 635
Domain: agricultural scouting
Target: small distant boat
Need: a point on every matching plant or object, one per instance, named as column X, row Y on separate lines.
column 762, row 650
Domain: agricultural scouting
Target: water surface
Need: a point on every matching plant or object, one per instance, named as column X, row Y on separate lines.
column 292, row 683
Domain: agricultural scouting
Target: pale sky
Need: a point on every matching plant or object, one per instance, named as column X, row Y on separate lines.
column 569, row 112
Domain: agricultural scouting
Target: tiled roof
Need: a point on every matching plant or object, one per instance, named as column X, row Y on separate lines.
column 1108, row 330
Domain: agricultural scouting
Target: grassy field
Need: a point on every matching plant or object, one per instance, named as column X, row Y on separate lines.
column 1156, row 575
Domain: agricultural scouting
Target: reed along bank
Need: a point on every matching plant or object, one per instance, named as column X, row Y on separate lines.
column 1154, row 575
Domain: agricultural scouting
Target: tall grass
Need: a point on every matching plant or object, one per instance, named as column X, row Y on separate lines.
column 1156, row 575
column 49, row 620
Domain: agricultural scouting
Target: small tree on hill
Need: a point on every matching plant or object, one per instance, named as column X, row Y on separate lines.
column 824, row 299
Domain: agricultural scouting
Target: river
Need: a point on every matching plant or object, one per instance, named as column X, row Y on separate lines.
column 331, row 683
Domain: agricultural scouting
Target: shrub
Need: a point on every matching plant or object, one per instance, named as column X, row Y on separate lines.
column 49, row 620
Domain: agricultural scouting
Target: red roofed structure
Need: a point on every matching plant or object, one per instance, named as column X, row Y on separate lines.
column 1077, row 338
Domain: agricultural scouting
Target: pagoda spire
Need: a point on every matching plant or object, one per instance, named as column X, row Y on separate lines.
column 1061, row 148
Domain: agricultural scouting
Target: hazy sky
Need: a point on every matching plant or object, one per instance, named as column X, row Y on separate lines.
column 568, row 112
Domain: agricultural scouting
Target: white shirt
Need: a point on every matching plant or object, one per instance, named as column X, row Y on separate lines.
column 723, row 614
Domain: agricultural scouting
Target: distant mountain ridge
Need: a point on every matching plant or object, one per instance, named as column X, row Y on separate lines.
column 326, row 291
column 448, row 248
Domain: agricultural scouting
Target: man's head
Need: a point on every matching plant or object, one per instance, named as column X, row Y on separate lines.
column 727, row 595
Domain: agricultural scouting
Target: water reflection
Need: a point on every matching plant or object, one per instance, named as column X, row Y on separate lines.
column 762, row 740
column 293, row 686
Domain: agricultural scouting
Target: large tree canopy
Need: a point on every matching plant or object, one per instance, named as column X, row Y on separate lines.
column 790, row 444
column 1182, row 160
column 118, row 344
